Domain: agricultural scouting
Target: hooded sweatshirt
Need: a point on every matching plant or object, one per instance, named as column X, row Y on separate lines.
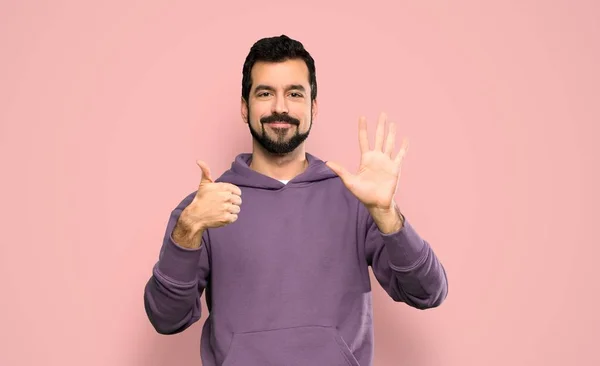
column 287, row 283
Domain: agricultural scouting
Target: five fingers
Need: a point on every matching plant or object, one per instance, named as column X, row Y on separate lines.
column 383, row 143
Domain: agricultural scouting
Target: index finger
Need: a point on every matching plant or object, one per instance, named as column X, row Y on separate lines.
column 233, row 188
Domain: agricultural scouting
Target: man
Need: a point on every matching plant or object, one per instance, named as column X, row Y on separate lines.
column 281, row 242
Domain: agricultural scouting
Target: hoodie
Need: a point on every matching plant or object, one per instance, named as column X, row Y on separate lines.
column 287, row 283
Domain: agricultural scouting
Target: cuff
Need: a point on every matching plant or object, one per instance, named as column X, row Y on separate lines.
column 405, row 248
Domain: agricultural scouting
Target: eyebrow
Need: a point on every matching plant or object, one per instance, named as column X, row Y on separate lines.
column 270, row 88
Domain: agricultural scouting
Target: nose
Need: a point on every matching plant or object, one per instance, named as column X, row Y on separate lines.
column 280, row 105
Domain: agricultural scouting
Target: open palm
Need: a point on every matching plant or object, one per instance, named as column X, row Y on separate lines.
column 376, row 181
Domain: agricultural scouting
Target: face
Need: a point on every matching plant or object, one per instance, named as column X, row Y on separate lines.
column 279, row 111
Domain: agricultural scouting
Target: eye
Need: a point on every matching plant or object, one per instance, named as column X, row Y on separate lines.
column 296, row 95
column 263, row 94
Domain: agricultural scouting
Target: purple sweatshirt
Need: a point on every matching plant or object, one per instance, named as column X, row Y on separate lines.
column 288, row 282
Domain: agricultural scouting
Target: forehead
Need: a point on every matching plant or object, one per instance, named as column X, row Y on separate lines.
column 280, row 73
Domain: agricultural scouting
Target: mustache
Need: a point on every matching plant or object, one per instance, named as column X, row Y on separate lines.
column 280, row 118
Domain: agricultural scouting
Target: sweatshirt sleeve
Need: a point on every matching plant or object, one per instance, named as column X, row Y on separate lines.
column 405, row 266
column 172, row 294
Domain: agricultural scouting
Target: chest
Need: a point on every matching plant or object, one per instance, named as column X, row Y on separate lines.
column 282, row 234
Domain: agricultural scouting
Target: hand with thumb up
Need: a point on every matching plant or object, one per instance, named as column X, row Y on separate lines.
column 215, row 205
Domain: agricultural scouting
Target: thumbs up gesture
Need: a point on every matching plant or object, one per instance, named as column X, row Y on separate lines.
column 214, row 205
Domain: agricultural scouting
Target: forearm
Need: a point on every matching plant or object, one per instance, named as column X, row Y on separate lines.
column 417, row 275
column 172, row 294
column 404, row 264
column 171, row 307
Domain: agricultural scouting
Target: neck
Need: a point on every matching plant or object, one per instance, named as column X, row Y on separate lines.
column 284, row 167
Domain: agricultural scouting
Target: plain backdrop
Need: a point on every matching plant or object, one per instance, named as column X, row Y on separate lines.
column 105, row 106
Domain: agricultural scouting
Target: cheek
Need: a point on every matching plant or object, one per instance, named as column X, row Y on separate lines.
column 308, row 115
column 302, row 112
column 255, row 113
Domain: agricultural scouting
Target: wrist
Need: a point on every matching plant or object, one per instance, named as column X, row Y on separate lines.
column 388, row 220
column 190, row 221
column 187, row 233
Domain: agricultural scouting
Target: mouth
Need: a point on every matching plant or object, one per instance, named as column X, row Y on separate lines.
column 280, row 124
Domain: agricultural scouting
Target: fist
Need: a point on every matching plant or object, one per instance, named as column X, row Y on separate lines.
column 215, row 204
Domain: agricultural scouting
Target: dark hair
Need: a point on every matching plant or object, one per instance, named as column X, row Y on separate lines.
column 277, row 49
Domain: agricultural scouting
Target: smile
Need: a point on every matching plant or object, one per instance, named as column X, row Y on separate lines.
column 280, row 124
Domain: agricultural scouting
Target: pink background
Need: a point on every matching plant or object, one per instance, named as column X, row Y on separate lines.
column 105, row 106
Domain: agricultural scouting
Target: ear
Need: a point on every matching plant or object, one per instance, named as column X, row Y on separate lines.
column 315, row 109
column 244, row 110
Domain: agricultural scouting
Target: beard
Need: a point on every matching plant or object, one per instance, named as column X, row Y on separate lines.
column 281, row 145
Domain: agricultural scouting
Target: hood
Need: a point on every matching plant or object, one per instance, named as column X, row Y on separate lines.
column 242, row 175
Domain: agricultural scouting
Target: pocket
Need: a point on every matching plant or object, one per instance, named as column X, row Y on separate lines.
column 300, row 346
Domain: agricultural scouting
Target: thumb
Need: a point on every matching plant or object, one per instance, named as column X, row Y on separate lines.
column 205, row 172
column 339, row 170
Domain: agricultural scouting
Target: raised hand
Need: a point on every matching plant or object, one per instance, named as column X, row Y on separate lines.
column 376, row 181
column 214, row 205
